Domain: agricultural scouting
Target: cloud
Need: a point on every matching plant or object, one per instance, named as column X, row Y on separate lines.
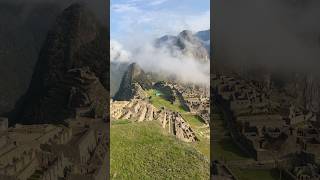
column 153, row 24
column 127, row 7
column 157, row 2
column 161, row 61
column 137, row 23
column 147, row 2
column 117, row 53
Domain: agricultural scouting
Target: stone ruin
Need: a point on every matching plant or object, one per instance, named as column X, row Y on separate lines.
column 139, row 110
column 194, row 99
column 266, row 127
column 52, row 152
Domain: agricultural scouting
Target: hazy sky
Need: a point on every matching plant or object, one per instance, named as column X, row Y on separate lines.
column 154, row 18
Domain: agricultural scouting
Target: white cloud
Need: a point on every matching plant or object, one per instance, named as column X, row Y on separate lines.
column 126, row 7
column 134, row 5
column 147, row 2
column 117, row 53
column 135, row 1
column 157, row 2
column 161, row 61
column 138, row 21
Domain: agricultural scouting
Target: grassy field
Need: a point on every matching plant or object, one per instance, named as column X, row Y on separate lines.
column 145, row 151
column 193, row 120
column 159, row 102
column 196, row 123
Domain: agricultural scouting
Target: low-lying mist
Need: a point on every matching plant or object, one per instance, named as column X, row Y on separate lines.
column 161, row 61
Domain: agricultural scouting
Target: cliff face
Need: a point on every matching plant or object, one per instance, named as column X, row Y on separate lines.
column 134, row 81
column 73, row 63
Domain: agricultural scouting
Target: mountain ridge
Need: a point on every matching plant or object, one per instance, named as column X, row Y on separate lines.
column 188, row 44
column 71, row 68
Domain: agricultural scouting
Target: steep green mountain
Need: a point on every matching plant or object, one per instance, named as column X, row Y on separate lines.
column 71, row 74
column 134, row 81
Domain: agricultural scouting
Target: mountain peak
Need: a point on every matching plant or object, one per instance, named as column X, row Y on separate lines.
column 74, row 49
column 188, row 44
column 134, row 77
column 135, row 70
column 186, row 33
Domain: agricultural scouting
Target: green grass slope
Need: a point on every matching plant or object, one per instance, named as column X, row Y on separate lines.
column 145, row 151
column 196, row 123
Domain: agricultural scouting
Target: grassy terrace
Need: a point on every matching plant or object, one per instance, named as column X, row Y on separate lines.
column 196, row 123
column 159, row 102
column 145, row 151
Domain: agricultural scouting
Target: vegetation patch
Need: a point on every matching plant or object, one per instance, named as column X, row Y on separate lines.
column 196, row 123
column 145, row 151
column 158, row 101
column 194, row 120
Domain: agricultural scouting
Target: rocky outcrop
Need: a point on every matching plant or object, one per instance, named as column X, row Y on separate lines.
column 71, row 75
column 133, row 83
column 139, row 110
column 186, row 44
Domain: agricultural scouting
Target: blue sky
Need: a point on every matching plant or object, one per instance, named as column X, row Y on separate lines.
column 154, row 18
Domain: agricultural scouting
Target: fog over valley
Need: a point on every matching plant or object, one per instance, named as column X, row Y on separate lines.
column 184, row 57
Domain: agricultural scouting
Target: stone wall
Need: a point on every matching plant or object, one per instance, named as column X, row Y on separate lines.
column 140, row 110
